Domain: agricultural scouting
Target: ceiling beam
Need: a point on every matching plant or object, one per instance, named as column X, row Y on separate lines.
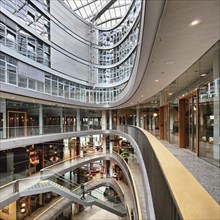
column 103, row 10
column 83, row 6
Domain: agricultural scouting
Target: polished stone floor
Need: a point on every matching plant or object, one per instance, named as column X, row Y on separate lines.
column 207, row 174
column 96, row 213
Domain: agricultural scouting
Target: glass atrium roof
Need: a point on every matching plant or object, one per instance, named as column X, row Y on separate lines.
column 102, row 13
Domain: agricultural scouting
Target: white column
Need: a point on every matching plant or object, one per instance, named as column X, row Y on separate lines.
column 133, row 120
column 153, row 123
column 111, row 142
column 104, row 120
column 138, row 116
column 150, row 121
column 78, row 127
column 111, row 136
column 3, row 110
column 104, row 123
column 110, row 119
column 216, row 104
column 61, row 120
column 40, row 119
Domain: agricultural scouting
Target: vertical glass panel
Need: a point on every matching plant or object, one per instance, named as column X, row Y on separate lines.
column 66, row 90
column 22, row 44
column 72, row 92
column 2, row 75
column 48, row 86
column 31, row 84
column 54, row 87
column 209, row 131
column 174, row 123
column 31, row 51
column 61, row 89
column 22, row 81
column 11, row 74
column 2, row 34
column 209, row 105
column 10, row 39
column 2, row 70
column 40, row 87
column 78, row 93
column 17, row 124
column 83, row 95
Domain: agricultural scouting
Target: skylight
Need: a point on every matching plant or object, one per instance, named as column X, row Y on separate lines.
column 102, row 13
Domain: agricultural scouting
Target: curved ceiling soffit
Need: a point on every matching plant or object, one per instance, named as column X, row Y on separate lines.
column 150, row 21
column 151, row 15
column 180, row 43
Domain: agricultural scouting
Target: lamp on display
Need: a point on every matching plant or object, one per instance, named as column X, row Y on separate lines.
column 155, row 114
column 23, row 205
column 23, row 210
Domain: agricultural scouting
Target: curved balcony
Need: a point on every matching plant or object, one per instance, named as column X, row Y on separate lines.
column 88, row 83
column 175, row 192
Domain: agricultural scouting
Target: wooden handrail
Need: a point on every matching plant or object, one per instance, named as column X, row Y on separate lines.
column 192, row 200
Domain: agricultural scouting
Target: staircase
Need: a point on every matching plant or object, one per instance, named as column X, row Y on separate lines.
column 74, row 195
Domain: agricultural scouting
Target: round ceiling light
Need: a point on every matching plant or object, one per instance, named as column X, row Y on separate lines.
column 194, row 22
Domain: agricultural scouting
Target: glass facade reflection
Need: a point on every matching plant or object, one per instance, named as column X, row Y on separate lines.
column 189, row 117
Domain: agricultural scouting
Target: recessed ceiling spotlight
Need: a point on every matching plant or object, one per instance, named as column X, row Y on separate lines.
column 203, row 74
column 194, row 22
column 142, row 96
column 156, row 80
column 170, row 93
column 169, row 63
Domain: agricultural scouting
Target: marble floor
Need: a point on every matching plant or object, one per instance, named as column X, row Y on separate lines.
column 96, row 213
column 207, row 174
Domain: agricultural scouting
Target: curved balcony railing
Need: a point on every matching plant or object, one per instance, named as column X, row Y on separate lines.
column 175, row 192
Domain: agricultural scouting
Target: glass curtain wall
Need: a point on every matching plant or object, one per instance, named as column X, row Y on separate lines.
column 209, row 105
column 174, row 123
column 209, row 123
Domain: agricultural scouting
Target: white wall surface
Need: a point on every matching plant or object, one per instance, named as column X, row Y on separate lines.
column 68, row 42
